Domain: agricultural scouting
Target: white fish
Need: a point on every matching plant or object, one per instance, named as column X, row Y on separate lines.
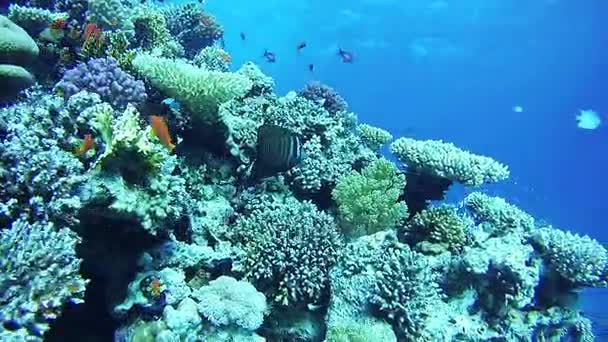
column 588, row 119
column 518, row 109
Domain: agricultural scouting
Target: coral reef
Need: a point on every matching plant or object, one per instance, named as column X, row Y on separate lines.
column 141, row 193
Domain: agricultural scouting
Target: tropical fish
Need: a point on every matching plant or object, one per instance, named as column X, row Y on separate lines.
column 588, row 119
column 243, row 36
column 311, row 67
column 278, row 150
column 270, row 56
column 518, row 109
column 347, row 57
column 160, row 129
column 301, row 46
column 85, row 146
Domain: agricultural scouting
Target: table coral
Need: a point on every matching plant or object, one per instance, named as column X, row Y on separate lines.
column 448, row 161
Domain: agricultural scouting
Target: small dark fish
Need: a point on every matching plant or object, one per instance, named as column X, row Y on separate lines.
column 347, row 57
column 278, row 150
column 311, row 67
column 243, row 36
column 270, row 56
column 200, row 1
column 142, row 1
column 301, row 46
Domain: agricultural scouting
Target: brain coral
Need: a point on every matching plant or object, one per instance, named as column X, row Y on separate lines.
column 288, row 250
column 448, row 161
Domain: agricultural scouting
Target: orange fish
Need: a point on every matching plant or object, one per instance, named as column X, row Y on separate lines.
column 85, row 146
column 160, row 129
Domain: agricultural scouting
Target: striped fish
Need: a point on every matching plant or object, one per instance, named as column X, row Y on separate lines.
column 278, row 150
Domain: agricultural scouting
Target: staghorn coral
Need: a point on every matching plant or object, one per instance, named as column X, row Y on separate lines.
column 200, row 91
column 368, row 201
column 373, row 137
column 104, row 77
column 448, row 161
column 503, row 217
column 437, row 229
column 288, row 250
column 39, row 276
column 581, row 260
column 227, row 301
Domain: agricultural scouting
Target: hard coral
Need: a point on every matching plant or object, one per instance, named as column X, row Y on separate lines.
column 193, row 27
column 104, row 77
column 503, row 217
column 448, row 161
column 39, row 275
column 324, row 96
column 437, row 229
column 288, row 250
column 580, row 260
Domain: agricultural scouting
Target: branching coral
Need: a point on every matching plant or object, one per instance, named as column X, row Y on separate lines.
column 39, row 173
column 152, row 34
column 200, row 91
column 288, row 250
column 193, row 27
column 324, row 96
column 448, row 161
column 503, row 217
column 39, row 275
column 437, row 229
column 368, row 201
column 581, row 260
column 406, row 290
column 110, row 14
column 375, row 138
column 213, row 58
column 33, row 19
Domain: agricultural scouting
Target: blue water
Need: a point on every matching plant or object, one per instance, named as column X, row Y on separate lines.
column 453, row 70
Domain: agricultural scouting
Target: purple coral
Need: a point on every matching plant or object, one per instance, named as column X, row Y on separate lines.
column 103, row 76
column 324, row 96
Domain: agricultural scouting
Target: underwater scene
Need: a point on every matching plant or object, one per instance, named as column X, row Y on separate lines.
column 339, row 171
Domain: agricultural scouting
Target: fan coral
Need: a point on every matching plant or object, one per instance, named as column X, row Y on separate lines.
column 581, row 260
column 324, row 96
column 39, row 275
column 288, row 250
column 447, row 161
column 226, row 301
column 368, row 201
column 103, row 76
